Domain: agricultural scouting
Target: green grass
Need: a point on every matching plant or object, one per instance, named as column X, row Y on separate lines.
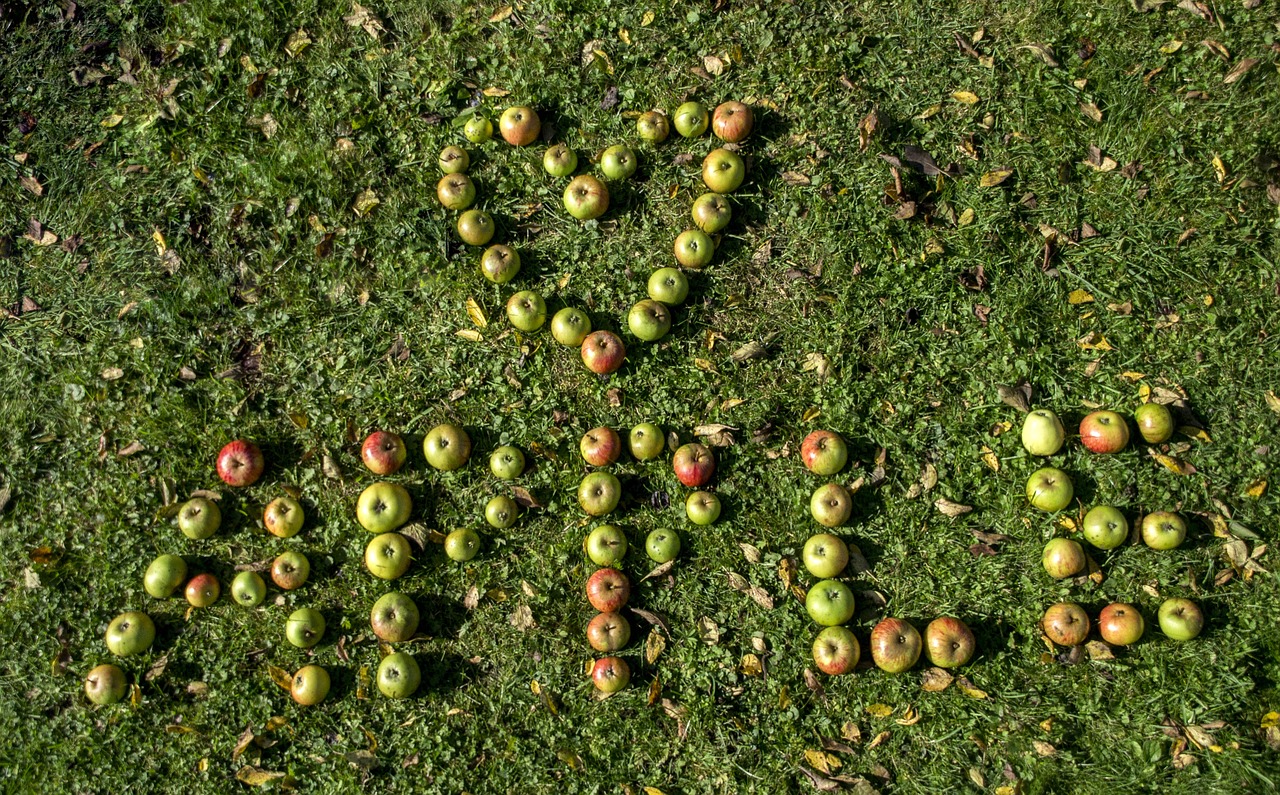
column 306, row 352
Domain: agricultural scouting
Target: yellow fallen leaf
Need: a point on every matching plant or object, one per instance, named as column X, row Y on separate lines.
column 750, row 665
column 1270, row 720
column 967, row 217
column 822, row 761
column 1257, row 489
column 878, row 739
column 1219, row 168
column 1199, row 434
column 469, row 334
column 1091, row 110
column 1169, row 48
column 1094, row 341
column 929, row 112
column 1273, row 402
column 624, row 35
column 365, row 202
column 879, row 710
column 1001, row 427
column 161, row 245
column 1172, row 464
column 993, row 178
column 909, row 718
column 1067, row 523
column 811, row 414
column 653, row 791
column 1208, row 300
column 1144, row 393
column 476, row 313
column 1079, row 297
column 113, row 120
column 501, row 14
column 281, row 677
column 254, row 777
column 969, row 689
column 647, row 19
column 989, row 458
column 967, row 97
column 1132, row 377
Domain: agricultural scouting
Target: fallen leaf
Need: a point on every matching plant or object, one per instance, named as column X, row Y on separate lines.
column 298, row 41
column 365, row 202
column 1076, row 297
column 1017, row 396
column 1043, row 748
column 879, row 710
column 1094, row 341
column 1170, row 463
column 1098, row 650
column 361, row 17
column 951, row 509
column 713, row 65
column 476, row 313
column 282, row 678
column 1043, row 51
column 502, row 13
column 935, row 680
column 654, row 646
column 1256, row 489
column 1273, row 402
column 967, row 97
column 255, row 777
column 1091, row 110
column 989, row 458
column 969, row 689
column 708, row 631
column 993, row 178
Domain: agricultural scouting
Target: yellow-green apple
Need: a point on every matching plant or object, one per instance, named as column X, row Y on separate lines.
column 691, row 119
column 1105, row 527
column 383, row 452
column 248, row 589
column 475, row 227
column 1066, row 624
column 831, row 505
column 668, row 285
column 399, row 675
column 519, row 125
column 649, row 320
column 702, row 507
column 723, row 171
column 454, row 160
column 711, row 212
column 606, row 545
column 1042, row 432
column 600, row 446
column 310, row 685
column 130, row 633
column 618, row 162
column 456, row 191
column 1163, row 530
column 1121, row 624
column 560, row 160
column 602, row 352
column 825, row 555
column 199, row 518
column 383, row 507
column 387, row 556
column 290, row 570
column 1180, row 619
column 646, row 441
column 829, row 602
column 304, row 628
column 394, row 617
column 694, row 248
column 836, row 651
column 1154, row 422
column 694, row 464
column 526, row 310
column 662, row 545
column 608, row 590
column 824, row 452
column 203, row 590
column 895, row 645
column 1062, row 558
column 586, row 197
column 105, row 684
column 478, row 129
column 164, row 575
column 598, row 493
column 608, row 632
column 948, row 642
column 653, row 127
column 500, row 263
column 570, row 327
column 1050, row 489
column 732, row 122
column 283, row 517
column 506, row 462
column 446, row 447
column 501, row 512
column 610, row 674
column 240, row 463
column 462, row 544
column 1104, row 432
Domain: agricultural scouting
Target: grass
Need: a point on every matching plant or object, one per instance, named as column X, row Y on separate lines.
column 306, row 324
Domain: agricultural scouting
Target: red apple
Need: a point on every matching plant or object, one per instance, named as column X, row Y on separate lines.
column 694, row 465
column 824, row 452
column 608, row 632
column 608, row 590
column 1104, row 432
column 1066, row 624
column 836, row 651
column 602, row 352
column 610, row 674
column 895, row 645
column 1121, row 624
column 383, row 452
column 732, row 122
column 949, row 642
column 519, row 125
column 240, row 463
column 600, row 447
column 203, row 590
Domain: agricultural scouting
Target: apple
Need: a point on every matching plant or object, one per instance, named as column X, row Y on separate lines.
column 475, row 228
column 649, row 320
column 383, row 507
column 1050, row 489
column 702, row 507
column 454, row 160
column 199, row 518
column 506, row 462
column 248, row 589
column 608, row 590
column 723, row 171
column 526, row 310
column 394, row 617
column 732, row 122
column 829, row 602
column 586, row 197
column 289, row 571
column 1042, row 432
column 310, row 685
column 694, row 248
column 606, row 545
column 1163, row 530
column 560, row 160
column 283, row 517
column 662, row 545
column 164, row 575
column 456, row 191
column 399, row 675
column 618, row 162
column 478, row 129
column 203, row 590
column 602, row 352
column 387, row 556
column 130, row 633
column 653, row 127
column 598, row 493
column 383, row 452
column 610, row 674
column 1180, row 619
column 646, row 441
column 691, row 119
column 825, row 555
column 824, row 452
column 895, row 645
column 240, row 463
column 711, row 212
column 500, row 263
column 1066, row 624
column 1104, row 432
column 1105, row 527
column 836, row 651
column 694, row 465
column 831, row 505
column 519, row 125
column 570, row 327
column 1154, row 422
column 501, row 512
column 1120, row 624
column 304, row 628
column 105, row 684
column 668, row 285
column 462, row 545
column 948, row 642
column 600, row 446
column 446, row 447
column 1062, row 558
column 608, row 632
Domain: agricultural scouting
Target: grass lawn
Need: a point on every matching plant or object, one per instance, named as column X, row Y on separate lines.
column 941, row 199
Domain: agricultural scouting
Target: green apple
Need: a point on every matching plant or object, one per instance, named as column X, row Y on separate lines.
column 1180, row 619
column 702, row 507
column 387, row 556
column 105, row 684
column 825, row 555
column 130, row 633
column 499, row 263
column 501, row 512
column 476, row 228
column 586, row 197
column 723, row 171
column 1105, row 527
column 248, row 589
column 199, row 518
column 831, row 505
column 456, row 191
column 1042, row 432
column 164, row 575
column 646, row 441
column 462, row 545
column 1062, row 558
column 283, row 517
column 606, row 545
column 394, row 617
column 304, row 628
column 649, row 320
column 310, row 685
column 691, row 119
column 560, row 160
column 598, row 493
column 570, row 327
column 478, row 129
column 662, row 545
column 454, row 160
column 830, row 603
column 382, row 507
column 1163, row 530
column 618, row 162
column 1049, row 489
column 694, row 248
column 653, row 127
column 526, row 310
column 506, row 462
column 669, row 286
column 398, row 675
column 711, row 212
column 1155, row 423
column 446, row 447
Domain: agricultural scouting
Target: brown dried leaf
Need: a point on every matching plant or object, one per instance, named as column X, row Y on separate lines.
column 1017, row 396
column 935, row 680
column 654, row 646
column 749, row 551
column 659, row 570
column 1044, row 52
column 1092, row 111
column 708, row 631
column 951, row 509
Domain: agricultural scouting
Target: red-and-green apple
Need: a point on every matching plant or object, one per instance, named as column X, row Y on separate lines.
column 694, row 464
column 694, row 248
column 304, row 628
column 240, row 463
column 519, row 125
column 1155, row 422
column 702, row 507
column 824, row 452
column 1066, row 624
column 475, row 227
column 130, row 633
column 948, row 642
column 501, row 512
column 105, row 684
column 668, row 285
column 1042, row 432
column 602, row 352
column 462, row 544
column 446, row 447
column 570, row 327
column 618, row 162
column 394, row 617
column 383, row 507
column 526, row 310
column 836, row 651
column 478, row 129
column 608, row 632
column 608, row 590
column 723, row 171
column 606, row 545
column 1163, row 530
column 456, row 191
column 199, row 518
column 1050, row 489
column 732, row 122
column 506, row 462
column 399, row 675
column 646, row 441
column 560, row 160
column 649, row 320
column 711, row 212
column 290, row 570
column 830, row 602
column 248, row 589
column 895, row 645
column 610, row 674
column 662, row 545
column 1062, row 558
column 203, row 590
column 283, row 517
column 598, row 493
column 383, row 452
column 1180, row 619
column 831, row 505
column 164, row 575
column 310, row 685
column 691, row 119
column 586, row 197
column 1121, row 624
column 1105, row 527
column 454, row 160
column 1104, row 432
column 825, row 555
column 600, row 447
column 387, row 556
column 653, row 127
